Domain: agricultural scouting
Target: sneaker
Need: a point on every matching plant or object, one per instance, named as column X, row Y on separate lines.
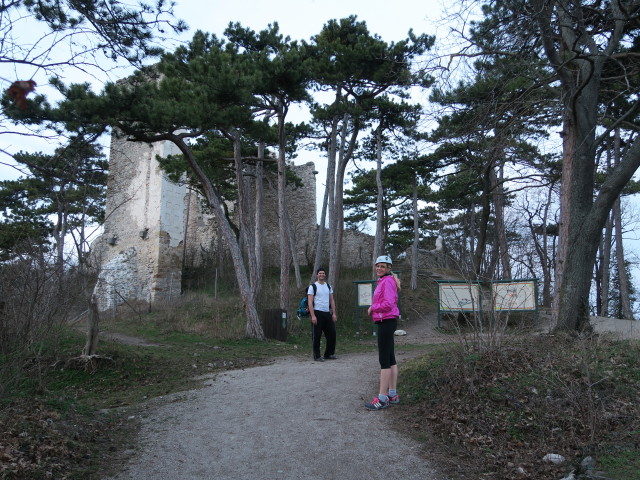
column 330, row 357
column 376, row 404
column 319, row 359
column 395, row 399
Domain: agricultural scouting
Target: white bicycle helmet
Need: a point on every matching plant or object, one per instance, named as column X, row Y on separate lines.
column 384, row 259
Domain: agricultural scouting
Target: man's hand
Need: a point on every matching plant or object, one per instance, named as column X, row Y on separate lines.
column 314, row 320
column 335, row 318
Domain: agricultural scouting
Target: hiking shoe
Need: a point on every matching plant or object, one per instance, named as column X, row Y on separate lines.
column 376, row 404
column 330, row 357
column 319, row 359
column 395, row 399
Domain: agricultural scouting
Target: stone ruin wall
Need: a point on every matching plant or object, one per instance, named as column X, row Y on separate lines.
column 140, row 251
column 151, row 223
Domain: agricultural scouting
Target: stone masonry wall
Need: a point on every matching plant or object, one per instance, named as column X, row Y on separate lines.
column 140, row 250
column 153, row 225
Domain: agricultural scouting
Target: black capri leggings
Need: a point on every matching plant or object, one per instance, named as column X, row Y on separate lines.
column 386, row 353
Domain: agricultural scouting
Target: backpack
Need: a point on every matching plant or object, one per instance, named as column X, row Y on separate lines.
column 303, row 306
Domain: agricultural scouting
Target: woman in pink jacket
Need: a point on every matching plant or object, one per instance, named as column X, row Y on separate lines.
column 384, row 312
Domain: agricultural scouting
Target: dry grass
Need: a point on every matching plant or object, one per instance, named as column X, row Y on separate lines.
column 499, row 411
column 201, row 314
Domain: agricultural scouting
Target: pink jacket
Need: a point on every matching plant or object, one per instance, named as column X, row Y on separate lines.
column 385, row 299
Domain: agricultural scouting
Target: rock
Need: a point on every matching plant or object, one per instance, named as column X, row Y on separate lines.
column 588, row 463
column 553, row 458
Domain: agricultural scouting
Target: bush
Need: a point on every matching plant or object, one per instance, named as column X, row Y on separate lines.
column 36, row 298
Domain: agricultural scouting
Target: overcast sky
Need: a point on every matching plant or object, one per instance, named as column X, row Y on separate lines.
column 300, row 19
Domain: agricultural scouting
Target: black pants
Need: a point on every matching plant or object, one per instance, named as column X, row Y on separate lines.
column 324, row 324
column 386, row 351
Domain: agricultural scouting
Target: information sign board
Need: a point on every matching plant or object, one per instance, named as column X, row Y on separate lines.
column 365, row 294
column 514, row 296
column 459, row 297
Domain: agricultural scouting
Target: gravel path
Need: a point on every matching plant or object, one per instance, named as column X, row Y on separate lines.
column 293, row 419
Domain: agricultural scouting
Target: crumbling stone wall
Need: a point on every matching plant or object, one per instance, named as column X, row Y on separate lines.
column 140, row 251
column 154, row 226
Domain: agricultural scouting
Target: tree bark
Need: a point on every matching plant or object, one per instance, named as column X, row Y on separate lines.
column 247, row 236
column 93, row 322
column 623, row 277
column 605, row 268
column 501, row 231
column 259, row 224
column 294, row 248
column 282, row 221
column 336, row 211
column 331, row 187
column 574, row 289
column 327, row 202
column 416, row 237
column 485, row 214
column 378, row 247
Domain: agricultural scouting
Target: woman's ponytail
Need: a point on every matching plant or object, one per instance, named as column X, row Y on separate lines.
column 397, row 279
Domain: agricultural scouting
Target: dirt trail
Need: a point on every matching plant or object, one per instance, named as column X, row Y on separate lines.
column 292, row 419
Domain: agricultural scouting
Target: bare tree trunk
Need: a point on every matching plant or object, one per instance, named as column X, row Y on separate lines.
column 185, row 237
column 345, row 155
column 247, row 236
column 605, row 268
column 492, row 270
column 484, row 222
column 571, row 295
column 327, row 202
column 321, row 235
column 294, row 249
column 59, row 233
column 573, row 292
column 282, row 219
column 291, row 242
column 469, row 235
column 93, row 322
column 416, row 237
column 547, row 297
column 501, row 231
column 334, row 216
column 378, row 247
column 259, row 224
column 543, row 255
column 623, row 278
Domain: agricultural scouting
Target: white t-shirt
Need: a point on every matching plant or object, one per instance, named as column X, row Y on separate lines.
column 321, row 299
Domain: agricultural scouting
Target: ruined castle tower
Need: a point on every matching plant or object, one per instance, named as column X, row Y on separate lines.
column 140, row 250
column 152, row 222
